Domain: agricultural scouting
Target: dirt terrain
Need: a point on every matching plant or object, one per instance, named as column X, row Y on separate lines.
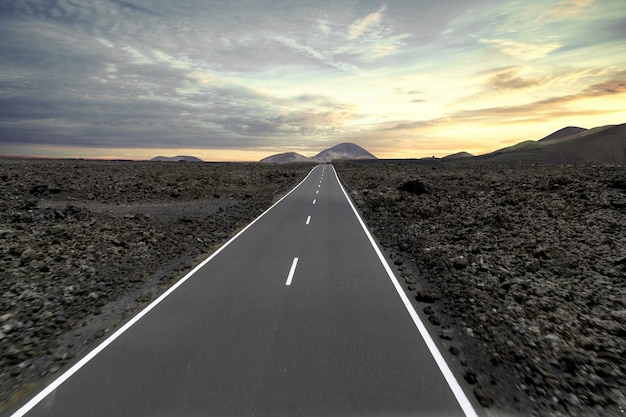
column 83, row 244
column 523, row 270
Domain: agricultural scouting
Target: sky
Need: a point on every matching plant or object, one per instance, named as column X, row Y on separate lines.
column 244, row 79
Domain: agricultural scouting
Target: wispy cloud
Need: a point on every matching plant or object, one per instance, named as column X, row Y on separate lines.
column 323, row 57
column 523, row 50
column 372, row 37
column 504, row 80
column 560, row 106
column 359, row 27
column 563, row 10
column 507, row 79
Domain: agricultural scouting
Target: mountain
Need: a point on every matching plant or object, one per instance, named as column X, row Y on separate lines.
column 178, row 158
column 562, row 133
column 600, row 145
column 341, row 151
column 285, row 158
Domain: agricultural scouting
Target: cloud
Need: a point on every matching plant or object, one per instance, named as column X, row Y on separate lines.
column 421, row 124
column 324, row 26
column 359, row 27
column 136, row 57
column 214, row 74
column 563, row 10
column 200, row 113
column 138, row 88
column 508, row 79
column 371, row 38
column 539, row 110
column 523, row 50
column 606, row 88
column 324, row 57
column 497, row 81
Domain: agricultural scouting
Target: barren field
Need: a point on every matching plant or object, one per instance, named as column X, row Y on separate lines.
column 523, row 270
column 85, row 244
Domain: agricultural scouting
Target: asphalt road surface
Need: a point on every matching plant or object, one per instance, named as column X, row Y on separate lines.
column 298, row 315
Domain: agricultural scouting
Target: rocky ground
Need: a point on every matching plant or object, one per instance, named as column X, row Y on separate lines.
column 521, row 268
column 83, row 244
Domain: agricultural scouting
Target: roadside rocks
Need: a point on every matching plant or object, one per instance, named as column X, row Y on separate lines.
column 84, row 244
column 521, row 267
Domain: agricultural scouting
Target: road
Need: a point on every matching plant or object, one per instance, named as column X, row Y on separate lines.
column 298, row 315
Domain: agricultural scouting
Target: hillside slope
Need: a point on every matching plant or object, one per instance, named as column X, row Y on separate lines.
column 601, row 145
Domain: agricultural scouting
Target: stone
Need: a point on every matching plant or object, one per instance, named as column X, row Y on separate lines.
column 484, row 396
column 426, row 296
column 459, row 262
column 446, row 334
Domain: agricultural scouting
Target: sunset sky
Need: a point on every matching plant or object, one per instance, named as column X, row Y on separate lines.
column 241, row 80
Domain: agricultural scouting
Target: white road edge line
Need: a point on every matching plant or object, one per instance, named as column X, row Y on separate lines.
column 292, row 271
column 458, row 392
column 71, row 371
column 308, row 220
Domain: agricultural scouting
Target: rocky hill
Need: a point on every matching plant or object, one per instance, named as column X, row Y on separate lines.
column 342, row 151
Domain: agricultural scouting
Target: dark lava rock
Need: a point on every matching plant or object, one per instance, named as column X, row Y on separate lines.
column 470, row 377
column 81, row 252
column 426, row 296
column 413, row 186
column 528, row 263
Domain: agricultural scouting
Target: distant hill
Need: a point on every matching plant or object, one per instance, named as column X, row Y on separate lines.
column 562, row 133
column 178, row 158
column 458, row 155
column 341, row 151
column 285, row 158
column 600, row 145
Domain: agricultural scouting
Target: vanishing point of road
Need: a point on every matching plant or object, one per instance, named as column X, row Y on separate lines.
column 298, row 315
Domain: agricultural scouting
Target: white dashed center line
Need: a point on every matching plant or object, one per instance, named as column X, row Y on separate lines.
column 308, row 220
column 314, row 201
column 292, row 271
